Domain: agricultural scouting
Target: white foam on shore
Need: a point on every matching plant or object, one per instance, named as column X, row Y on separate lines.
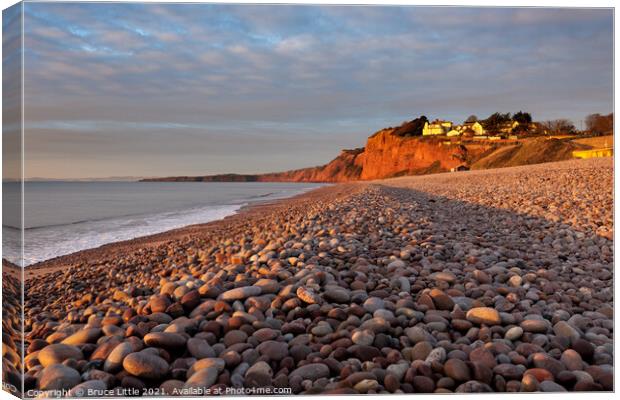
column 45, row 243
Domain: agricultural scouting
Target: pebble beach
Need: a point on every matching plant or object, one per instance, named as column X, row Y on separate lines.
column 479, row 281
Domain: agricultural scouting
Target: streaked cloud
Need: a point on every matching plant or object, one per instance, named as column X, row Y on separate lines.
column 261, row 88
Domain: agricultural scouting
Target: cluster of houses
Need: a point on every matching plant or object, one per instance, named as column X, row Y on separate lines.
column 472, row 129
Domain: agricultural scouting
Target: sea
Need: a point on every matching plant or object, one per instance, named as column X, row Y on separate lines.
column 65, row 217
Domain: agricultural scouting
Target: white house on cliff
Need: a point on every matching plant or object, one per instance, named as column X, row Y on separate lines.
column 436, row 127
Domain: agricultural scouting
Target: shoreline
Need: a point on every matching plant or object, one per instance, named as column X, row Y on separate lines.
column 110, row 250
column 470, row 282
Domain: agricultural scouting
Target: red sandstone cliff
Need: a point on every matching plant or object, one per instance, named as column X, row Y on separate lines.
column 395, row 152
column 385, row 155
column 346, row 167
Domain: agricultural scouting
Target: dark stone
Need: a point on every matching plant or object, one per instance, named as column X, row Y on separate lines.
column 584, row 386
column 391, row 383
column 473, row 387
column 482, row 373
column 483, row 356
column 423, row 384
column 584, row 348
column 364, row 353
column 457, row 370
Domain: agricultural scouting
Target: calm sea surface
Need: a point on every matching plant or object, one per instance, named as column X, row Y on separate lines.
column 65, row 217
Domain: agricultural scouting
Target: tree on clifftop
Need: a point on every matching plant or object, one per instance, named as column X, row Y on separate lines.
column 495, row 120
column 525, row 122
column 599, row 124
column 411, row 128
column 471, row 118
column 559, row 126
column 523, row 118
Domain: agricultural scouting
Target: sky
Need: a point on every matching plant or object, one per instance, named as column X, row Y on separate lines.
column 116, row 89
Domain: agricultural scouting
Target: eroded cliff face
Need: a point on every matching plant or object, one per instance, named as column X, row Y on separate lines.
column 385, row 155
column 346, row 167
